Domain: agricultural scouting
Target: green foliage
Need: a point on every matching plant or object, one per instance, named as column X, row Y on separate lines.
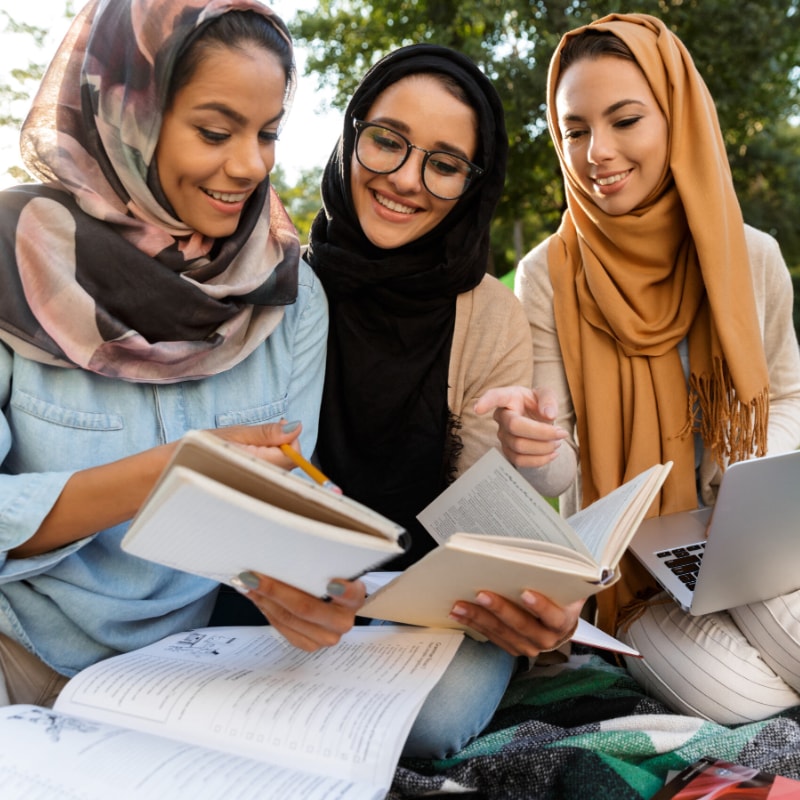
column 508, row 278
column 748, row 53
column 300, row 197
column 24, row 79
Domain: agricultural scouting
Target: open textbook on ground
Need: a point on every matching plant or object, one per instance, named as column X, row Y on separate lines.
column 495, row 532
column 228, row 712
column 217, row 511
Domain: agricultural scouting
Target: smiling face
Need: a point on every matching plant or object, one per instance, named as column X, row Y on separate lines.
column 615, row 137
column 396, row 209
column 217, row 140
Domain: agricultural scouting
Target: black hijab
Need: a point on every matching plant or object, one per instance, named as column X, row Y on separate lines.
column 386, row 434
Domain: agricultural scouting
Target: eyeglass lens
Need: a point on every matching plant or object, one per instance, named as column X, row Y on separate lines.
column 445, row 175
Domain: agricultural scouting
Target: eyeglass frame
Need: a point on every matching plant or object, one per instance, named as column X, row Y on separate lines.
column 360, row 124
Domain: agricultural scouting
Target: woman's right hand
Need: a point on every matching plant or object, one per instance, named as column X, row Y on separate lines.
column 265, row 440
column 526, row 418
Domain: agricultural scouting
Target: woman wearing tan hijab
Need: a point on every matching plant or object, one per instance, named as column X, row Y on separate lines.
column 664, row 324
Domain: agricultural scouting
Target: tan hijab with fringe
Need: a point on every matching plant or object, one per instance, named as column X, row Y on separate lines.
column 629, row 288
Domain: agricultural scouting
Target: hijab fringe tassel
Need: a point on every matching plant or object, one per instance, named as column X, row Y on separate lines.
column 732, row 430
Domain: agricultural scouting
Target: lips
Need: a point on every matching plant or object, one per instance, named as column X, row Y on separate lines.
column 227, row 197
column 392, row 205
column 610, row 180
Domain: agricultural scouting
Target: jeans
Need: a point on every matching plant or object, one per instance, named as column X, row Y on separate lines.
column 461, row 704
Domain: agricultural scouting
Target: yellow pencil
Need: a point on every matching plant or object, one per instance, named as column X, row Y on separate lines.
column 310, row 469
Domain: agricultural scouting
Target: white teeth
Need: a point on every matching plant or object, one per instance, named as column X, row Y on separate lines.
column 226, row 197
column 612, row 179
column 392, row 206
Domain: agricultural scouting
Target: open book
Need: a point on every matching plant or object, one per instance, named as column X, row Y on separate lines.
column 228, row 712
column 495, row 532
column 217, row 511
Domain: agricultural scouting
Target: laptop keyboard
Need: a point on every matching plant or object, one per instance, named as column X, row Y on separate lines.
column 684, row 562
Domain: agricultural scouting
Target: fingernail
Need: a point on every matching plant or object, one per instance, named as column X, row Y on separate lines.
column 549, row 411
column 483, row 599
column 529, row 599
column 335, row 589
column 458, row 611
column 290, row 427
column 245, row 582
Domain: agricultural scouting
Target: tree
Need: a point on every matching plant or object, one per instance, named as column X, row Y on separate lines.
column 301, row 197
column 748, row 53
column 15, row 95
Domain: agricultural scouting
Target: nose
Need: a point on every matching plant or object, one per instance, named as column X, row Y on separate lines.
column 408, row 178
column 600, row 147
column 250, row 160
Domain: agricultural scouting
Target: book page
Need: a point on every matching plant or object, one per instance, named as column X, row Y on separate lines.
column 344, row 711
column 492, row 498
column 619, row 512
column 47, row 755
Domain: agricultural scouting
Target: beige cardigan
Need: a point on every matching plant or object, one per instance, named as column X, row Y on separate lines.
column 491, row 347
column 773, row 292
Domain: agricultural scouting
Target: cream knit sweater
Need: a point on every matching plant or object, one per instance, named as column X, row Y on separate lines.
column 773, row 292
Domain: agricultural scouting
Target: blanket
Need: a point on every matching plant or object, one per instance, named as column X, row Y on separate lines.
column 584, row 729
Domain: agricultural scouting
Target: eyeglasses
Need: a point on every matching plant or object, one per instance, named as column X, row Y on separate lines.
column 383, row 151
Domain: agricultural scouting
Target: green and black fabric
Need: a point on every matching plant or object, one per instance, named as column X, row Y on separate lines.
column 584, row 730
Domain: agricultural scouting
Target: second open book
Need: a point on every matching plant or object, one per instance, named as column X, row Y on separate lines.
column 563, row 559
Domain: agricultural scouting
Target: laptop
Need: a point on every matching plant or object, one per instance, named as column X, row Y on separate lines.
column 743, row 549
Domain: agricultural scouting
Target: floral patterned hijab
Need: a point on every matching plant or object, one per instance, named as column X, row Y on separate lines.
column 97, row 270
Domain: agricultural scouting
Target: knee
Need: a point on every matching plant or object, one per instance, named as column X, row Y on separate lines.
column 704, row 667
column 462, row 703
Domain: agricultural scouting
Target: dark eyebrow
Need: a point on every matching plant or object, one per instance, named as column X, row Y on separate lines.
column 620, row 104
column 614, row 107
column 401, row 127
column 228, row 112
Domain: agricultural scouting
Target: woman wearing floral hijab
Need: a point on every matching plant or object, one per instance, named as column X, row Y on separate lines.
column 151, row 285
column 664, row 323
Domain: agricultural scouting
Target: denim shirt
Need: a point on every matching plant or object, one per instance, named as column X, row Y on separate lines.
column 89, row 600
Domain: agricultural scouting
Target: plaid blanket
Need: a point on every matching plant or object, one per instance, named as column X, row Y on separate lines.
column 586, row 730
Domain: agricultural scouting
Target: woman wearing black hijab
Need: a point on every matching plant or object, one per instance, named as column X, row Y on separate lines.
column 418, row 333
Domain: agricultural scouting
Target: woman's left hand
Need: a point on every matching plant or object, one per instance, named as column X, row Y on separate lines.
column 307, row 622
column 532, row 626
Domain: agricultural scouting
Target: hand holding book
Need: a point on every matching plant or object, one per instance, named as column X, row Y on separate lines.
column 218, row 511
column 497, row 534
